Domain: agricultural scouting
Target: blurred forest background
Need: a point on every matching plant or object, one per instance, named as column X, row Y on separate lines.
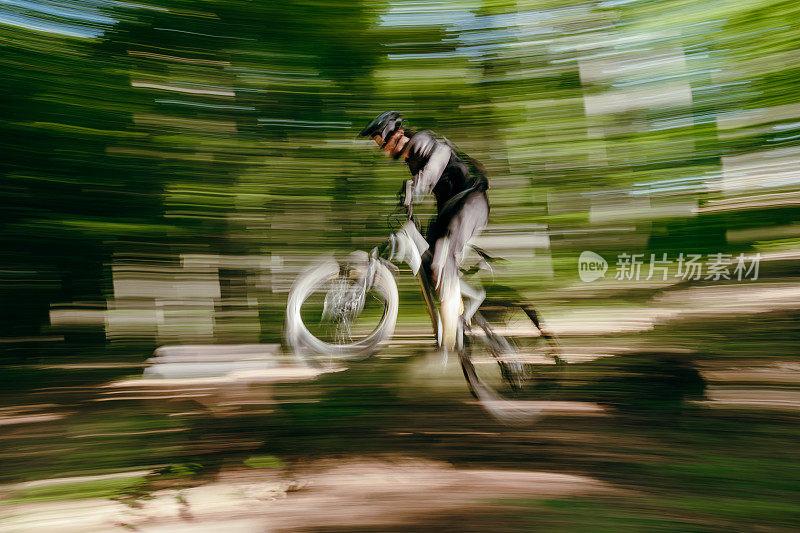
column 167, row 165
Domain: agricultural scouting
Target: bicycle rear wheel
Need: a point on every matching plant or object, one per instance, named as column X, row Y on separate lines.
column 512, row 364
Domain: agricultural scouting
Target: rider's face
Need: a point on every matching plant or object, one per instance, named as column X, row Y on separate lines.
column 394, row 144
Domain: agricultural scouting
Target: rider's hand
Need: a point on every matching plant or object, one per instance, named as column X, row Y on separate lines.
column 401, row 195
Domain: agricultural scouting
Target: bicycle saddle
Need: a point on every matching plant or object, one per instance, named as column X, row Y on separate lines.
column 484, row 262
column 485, row 256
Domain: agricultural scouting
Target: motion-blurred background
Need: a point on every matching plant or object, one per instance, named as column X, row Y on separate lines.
column 169, row 167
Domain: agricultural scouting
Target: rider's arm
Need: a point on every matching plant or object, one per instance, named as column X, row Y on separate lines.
column 427, row 178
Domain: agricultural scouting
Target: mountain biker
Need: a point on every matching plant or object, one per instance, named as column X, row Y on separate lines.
column 459, row 186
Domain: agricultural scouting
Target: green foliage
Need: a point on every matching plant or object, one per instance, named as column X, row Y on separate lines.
column 264, row 461
column 106, row 488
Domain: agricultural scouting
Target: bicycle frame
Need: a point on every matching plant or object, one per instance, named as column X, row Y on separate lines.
column 409, row 246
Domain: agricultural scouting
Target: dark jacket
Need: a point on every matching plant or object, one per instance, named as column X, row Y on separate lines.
column 439, row 168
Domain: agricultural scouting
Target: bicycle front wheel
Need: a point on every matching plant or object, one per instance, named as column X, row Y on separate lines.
column 331, row 318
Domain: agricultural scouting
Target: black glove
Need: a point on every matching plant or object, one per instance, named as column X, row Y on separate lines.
column 401, row 195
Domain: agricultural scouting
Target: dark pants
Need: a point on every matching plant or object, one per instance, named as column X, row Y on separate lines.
column 448, row 235
column 459, row 226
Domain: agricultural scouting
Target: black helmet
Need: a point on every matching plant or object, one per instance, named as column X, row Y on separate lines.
column 384, row 125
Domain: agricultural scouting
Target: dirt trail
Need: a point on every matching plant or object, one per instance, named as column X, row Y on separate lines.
column 354, row 492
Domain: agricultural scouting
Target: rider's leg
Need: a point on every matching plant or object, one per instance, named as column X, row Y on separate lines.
column 474, row 296
column 445, row 268
column 448, row 252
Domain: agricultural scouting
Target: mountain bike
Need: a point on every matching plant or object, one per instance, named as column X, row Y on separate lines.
column 342, row 310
